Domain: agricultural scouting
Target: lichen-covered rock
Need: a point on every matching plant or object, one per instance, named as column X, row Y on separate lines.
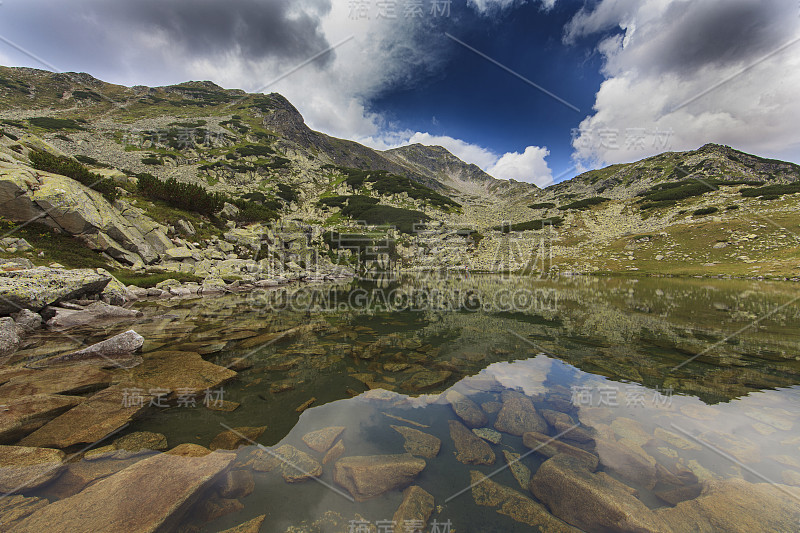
column 22, row 416
column 470, row 449
column 414, row 511
column 322, row 439
column 37, row 287
column 24, row 468
column 466, row 409
column 368, row 476
column 418, row 442
column 518, row 415
column 105, row 352
column 9, row 339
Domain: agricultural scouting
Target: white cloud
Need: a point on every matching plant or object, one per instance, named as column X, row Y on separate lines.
column 487, row 6
column 668, row 54
column 528, row 166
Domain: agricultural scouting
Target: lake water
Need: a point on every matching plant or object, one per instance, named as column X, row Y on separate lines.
column 670, row 382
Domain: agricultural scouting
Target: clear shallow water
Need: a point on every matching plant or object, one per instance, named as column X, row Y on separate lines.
column 695, row 376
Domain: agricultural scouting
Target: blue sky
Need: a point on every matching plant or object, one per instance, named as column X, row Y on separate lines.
column 646, row 76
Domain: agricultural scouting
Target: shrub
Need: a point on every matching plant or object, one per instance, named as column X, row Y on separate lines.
column 187, row 196
column 287, row 193
column 657, row 205
column 772, row 190
column 543, row 205
column 259, row 150
column 152, row 161
column 49, row 123
column 9, row 135
column 705, row 211
column 586, row 203
column 530, row 225
column 384, row 184
column 731, row 207
column 75, row 170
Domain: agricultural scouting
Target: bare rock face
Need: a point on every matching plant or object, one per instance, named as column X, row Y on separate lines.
column 150, row 495
column 592, row 502
column 518, row 415
column 23, row 468
column 368, row 476
column 418, row 442
column 35, row 288
column 466, row 409
column 415, row 509
column 739, row 506
column 89, row 422
column 322, row 439
column 470, row 449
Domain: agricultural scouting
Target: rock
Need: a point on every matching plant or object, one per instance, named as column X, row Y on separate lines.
column 470, row 449
column 334, row 453
column 178, row 254
column 738, row 446
column 251, row 526
column 414, row 511
column 564, row 425
column 466, row 409
column 550, row 447
column 592, row 502
column 22, row 416
column 93, row 313
column 489, row 435
column 515, row 505
column 294, row 465
column 676, row 495
column 418, row 442
column 116, row 293
column 491, row 407
column 15, row 263
column 673, row 439
column 141, row 442
column 236, row 437
column 237, row 484
column 27, row 321
column 222, row 405
column 88, row 422
column 57, row 381
column 23, row 468
column 37, row 287
column 186, row 227
column 629, row 462
column 518, row 415
column 737, row 506
column 426, row 379
column 165, row 486
column 15, row 507
column 368, row 476
column 630, row 429
column 188, row 449
column 322, row 439
column 107, row 352
column 213, row 286
column 520, row 472
column 178, row 370
column 229, row 211
column 9, row 339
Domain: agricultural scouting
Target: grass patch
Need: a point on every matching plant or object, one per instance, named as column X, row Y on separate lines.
column 57, row 247
column 530, row 225
column 543, row 205
column 705, row 211
column 55, row 124
column 586, row 203
column 147, row 281
column 771, row 191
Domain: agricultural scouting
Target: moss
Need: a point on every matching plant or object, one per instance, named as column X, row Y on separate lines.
column 55, row 124
column 148, row 281
column 586, row 203
column 55, row 247
column 705, row 211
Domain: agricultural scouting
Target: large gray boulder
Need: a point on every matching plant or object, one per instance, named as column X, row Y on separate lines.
column 9, row 339
column 34, row 288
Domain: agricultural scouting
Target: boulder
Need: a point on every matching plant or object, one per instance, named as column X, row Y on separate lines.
column 550, row 447
column 592, row 502
column 414, row 511
column 38, row 287
column 9, row 339
column 520, row 472
column 334, row 453
column 178, row 370
column 418, row 442
column 23, row 468
column 141, row 442
column 22, row 416
column 322, row 439
column 518, row 415
column 251, row 526
column 470, row 449
column 148, row 496
column 237, row 484
column 628, row 461
column 293, row 464
column 27, row 321
column 737, row 506
column 15, row 507
column 564, row 424
column 91, row 314
column 236, row 437
column 95, row 418
column 466, row 409
column 368, row 476
column 105, row 352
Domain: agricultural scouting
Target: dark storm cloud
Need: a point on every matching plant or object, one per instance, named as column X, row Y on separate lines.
column 255, row 29
column 718, row 33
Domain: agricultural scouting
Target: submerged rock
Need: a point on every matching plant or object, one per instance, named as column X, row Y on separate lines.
column 418, row 442
column 23, row 468
column 237, row 484
column 488, row 435
column 470, row 449
column 293, row 464
column 520, row 472
column 592, row 502
column 71, row 380
column 14, row 508
column 91, row 314
column 466, row 409
column 334, row 453
column 24, row 415
column 426, row 379
column 148, row 496
column 89, row 422
column 251, row 526
column 414, row 511
column 518, row 415
column 105, row 352
column 178, row 370
column 628, row 461
column 322, row 439
column 550, row 447
column 234, row 438
column 368, row 476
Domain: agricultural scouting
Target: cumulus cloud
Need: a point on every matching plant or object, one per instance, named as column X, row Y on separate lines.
column 528, row 166
column 680, row 74
column 488, row 6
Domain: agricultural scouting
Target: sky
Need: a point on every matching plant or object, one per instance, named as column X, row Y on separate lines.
column 532, row 90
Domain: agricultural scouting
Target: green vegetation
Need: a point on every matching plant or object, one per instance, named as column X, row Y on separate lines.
column 55, row 124
column 359, row 207
column 55, row 247
column 87, row 160
column 87, row 95
column 384, row 183
column 771, row 191
column 657, row 205
column 675, row 191
column 543, row 205
column 586, row 203
column 530, row 225
column 9, row 135
column 259, row 150
column 187, row 196
column 75, row 170
column 14, row 85
column 287, row 193
column 152, row 161
column 705, row 211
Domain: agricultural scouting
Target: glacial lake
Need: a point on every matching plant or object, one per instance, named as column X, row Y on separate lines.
column 670, row 382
